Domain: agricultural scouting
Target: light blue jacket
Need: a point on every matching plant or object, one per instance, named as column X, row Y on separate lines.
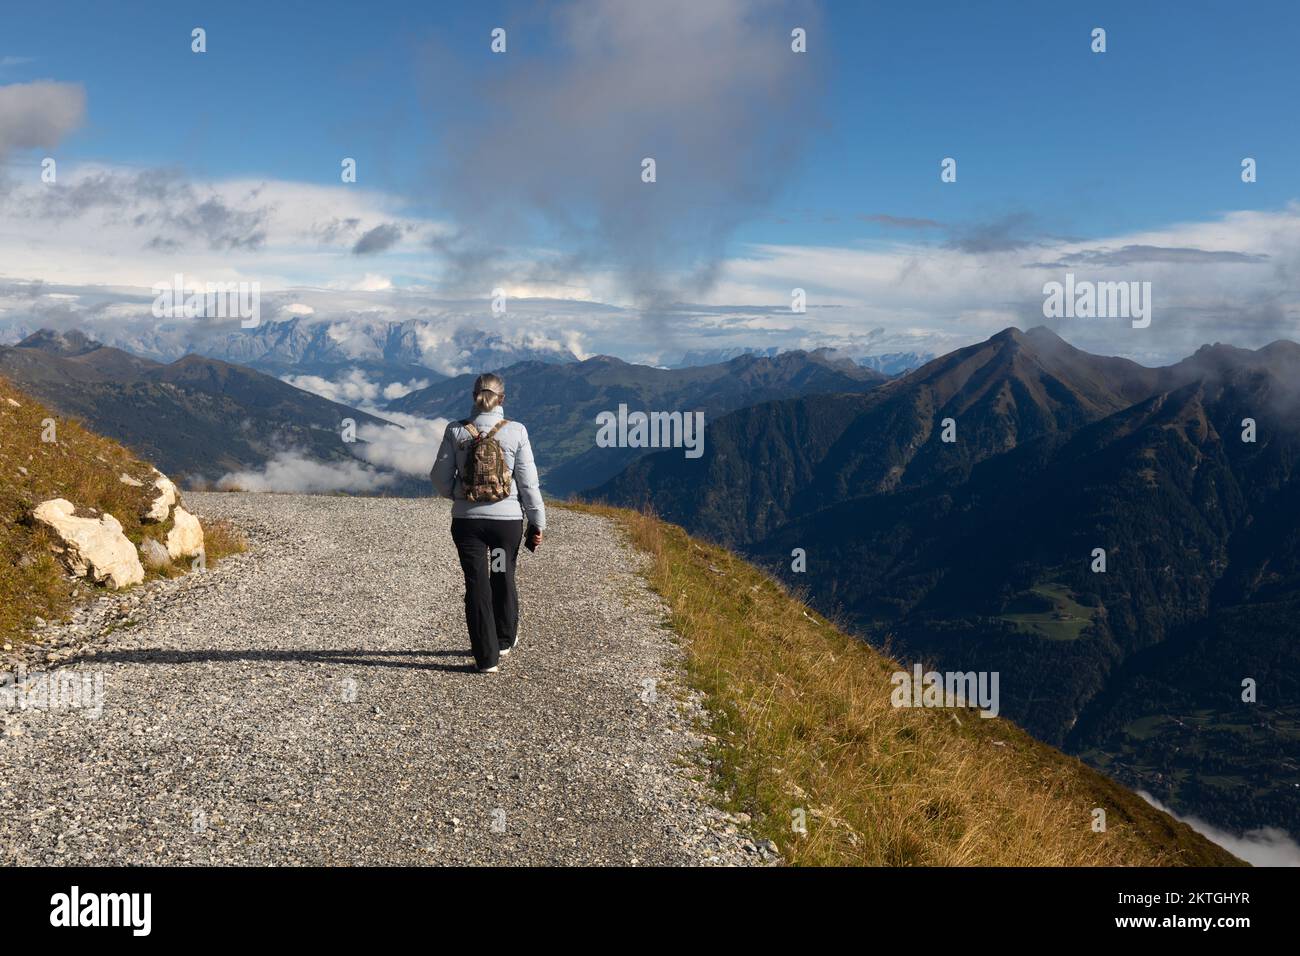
column 450, row 465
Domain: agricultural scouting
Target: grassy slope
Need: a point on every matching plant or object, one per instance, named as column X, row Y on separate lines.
column 803, row 722
column 84, row 468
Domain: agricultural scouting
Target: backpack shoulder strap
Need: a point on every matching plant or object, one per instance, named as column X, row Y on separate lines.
column 497, row 427
column 469, row 427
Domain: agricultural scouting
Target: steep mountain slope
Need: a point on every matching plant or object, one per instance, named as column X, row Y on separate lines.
column 196, row 418
column 1012, row 388
column 996, row 573
column 44, row 458
column 807, row 728
column 559, row 403
column 756, row 463
column 978, row 555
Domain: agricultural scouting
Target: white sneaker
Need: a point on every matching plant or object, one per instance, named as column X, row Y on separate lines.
column 488, row 670
column 505, row 651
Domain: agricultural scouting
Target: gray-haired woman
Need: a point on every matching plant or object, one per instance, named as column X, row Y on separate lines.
column 485, row 465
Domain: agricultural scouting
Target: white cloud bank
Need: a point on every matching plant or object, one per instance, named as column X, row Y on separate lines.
column 1267, row 846
column 296, row 472
column 353, row 387
column 1233, row 280
column 119, row 226
column 385, row 452
column 404, row 445
column 409, row 449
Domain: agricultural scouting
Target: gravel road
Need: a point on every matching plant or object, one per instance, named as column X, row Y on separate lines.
column 313, row 702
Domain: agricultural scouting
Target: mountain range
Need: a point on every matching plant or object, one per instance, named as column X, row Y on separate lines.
column 388, row 351
column 980, row 552
column 560, row 402
column 197, row 418
column 203, row 418
column 890, row 363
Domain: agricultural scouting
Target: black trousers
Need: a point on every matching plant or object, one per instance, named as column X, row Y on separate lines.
column 488, row 549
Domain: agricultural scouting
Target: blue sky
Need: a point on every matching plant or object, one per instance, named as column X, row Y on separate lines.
column 1088, row 144
column 777, row 171
column 1071, row 142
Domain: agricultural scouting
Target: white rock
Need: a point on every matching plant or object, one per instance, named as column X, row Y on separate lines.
column 185, row 539
column 92, row 547
column 162, row 505
column 13, row 403
column 154, row 554
column 126, row 479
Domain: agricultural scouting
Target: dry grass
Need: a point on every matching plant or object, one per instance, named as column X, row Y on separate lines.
column 221, row 539
column 804, row 725
column 82, row 467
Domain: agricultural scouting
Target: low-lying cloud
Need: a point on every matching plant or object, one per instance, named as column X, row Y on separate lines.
column 409, row 449
column 293, row 471
column 353, row 387
column 1267, row 846
column 407, row 445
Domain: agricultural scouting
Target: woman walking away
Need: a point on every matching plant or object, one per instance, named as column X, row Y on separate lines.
column 485, row 465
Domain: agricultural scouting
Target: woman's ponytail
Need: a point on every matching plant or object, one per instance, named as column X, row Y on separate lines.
column 489, row 392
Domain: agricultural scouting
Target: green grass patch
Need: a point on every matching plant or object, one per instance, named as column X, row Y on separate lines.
column 1056, row 616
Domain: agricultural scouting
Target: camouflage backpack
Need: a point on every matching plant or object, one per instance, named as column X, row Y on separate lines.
column 486, row 477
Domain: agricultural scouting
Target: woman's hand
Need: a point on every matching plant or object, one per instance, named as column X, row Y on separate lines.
column 533, row 538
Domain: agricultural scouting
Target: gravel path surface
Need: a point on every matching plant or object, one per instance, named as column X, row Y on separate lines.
column 313, row 702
